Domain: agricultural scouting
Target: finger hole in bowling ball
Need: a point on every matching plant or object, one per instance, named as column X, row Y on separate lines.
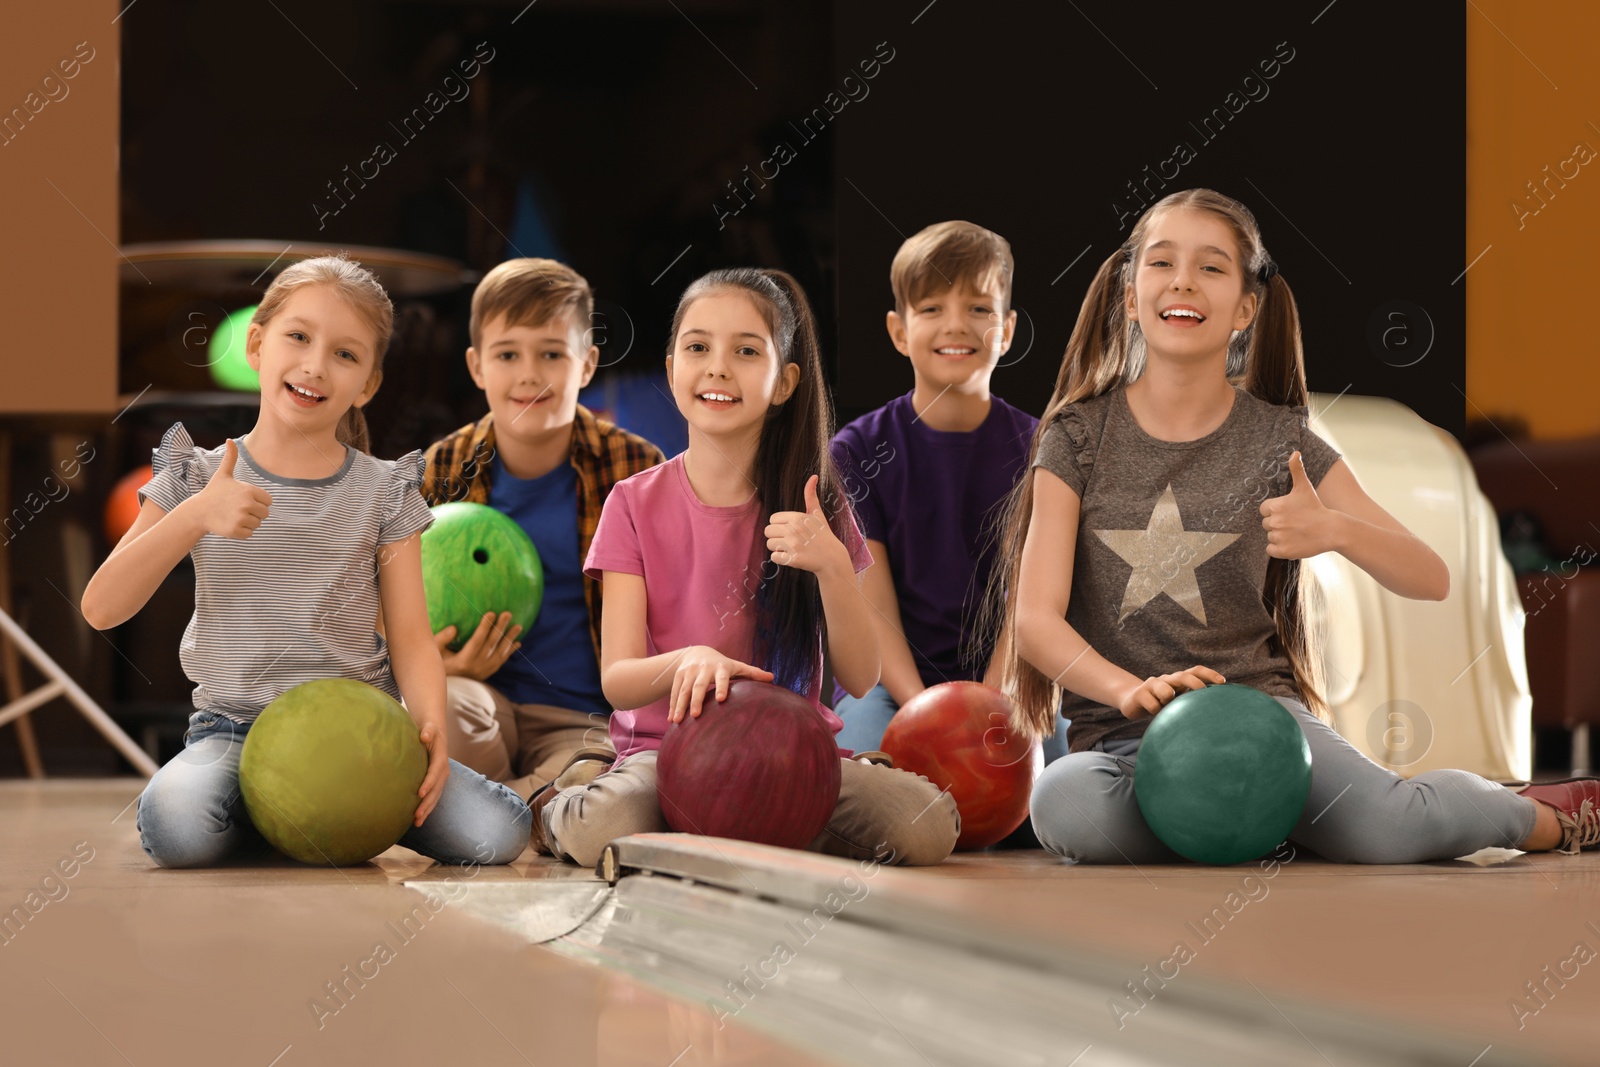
column 480, row 555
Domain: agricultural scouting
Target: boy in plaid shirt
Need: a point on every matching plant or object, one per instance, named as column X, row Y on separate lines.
column 524, row 708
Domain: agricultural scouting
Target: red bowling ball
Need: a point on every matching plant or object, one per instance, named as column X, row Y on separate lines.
column 761, row 766
column 959, row 736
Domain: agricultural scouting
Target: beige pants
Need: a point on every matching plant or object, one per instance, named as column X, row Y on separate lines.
column 885, row 814
column 523, row 745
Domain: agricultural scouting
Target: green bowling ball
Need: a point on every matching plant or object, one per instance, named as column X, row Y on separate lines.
column 1223, row 774
column 477, row 560
column 330, row 772
column 230, row 369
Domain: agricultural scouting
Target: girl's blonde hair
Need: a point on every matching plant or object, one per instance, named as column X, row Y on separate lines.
column 1105, row 350
column 360, row 289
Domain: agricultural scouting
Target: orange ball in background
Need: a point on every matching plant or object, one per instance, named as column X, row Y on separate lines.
column 122, row 509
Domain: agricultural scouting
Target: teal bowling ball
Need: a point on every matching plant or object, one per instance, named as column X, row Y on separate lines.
column 476, row 560
column 1223, row 774
column 330, row 772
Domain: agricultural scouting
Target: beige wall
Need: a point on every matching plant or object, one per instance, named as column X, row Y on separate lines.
column 1533, row 300
column 58, row 207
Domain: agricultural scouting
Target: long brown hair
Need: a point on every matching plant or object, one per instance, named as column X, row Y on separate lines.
column 793, row 447
column 359, row 288
column 1107, row 350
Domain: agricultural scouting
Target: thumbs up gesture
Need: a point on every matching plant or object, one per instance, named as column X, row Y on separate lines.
column 804, row 539
column 228, row 507
column 1298, row 524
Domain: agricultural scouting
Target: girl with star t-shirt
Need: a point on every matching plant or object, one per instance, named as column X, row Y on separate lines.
column 1155, row 549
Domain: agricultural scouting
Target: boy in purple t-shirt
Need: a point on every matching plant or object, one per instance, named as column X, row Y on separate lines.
column 930, row 471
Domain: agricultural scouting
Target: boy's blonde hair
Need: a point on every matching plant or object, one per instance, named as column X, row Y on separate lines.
column 946, row 254
column 529, row 292
column 359, row 288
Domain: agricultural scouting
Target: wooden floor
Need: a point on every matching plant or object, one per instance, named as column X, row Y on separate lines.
column 123, row 963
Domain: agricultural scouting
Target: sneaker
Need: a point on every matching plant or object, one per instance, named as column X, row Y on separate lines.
column 1577, row 804
column 584, row 766
column 536, row 804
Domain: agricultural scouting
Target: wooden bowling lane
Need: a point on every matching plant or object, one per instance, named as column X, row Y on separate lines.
column 120, row 962
column 1492, row 947
column 871, row 965
column 279, row 965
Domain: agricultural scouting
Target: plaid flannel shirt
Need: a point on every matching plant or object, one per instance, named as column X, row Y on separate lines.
column 603, row 453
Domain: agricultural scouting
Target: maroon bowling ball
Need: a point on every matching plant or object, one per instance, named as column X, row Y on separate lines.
column 761, row 766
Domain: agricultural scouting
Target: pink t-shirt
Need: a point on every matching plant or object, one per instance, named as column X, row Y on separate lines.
column 702, row 566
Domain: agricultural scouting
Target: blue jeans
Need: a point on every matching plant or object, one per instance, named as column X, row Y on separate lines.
column 866, row 718
column 1358, row 812
column 191, row 814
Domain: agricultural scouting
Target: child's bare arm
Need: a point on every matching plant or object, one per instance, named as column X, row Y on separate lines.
column 900, row 675
column 414, row 658
column 852, row 630
column 630, row 678
column 139, row 564
column 149, row 550
column 1339, row 516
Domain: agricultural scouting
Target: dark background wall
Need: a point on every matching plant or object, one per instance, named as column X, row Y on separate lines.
column 627, row 122
column 1031, row 119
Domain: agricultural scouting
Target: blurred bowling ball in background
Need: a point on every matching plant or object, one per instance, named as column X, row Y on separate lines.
column 122, row 507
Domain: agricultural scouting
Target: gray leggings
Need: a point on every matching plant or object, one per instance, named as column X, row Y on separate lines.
column 1358, row 812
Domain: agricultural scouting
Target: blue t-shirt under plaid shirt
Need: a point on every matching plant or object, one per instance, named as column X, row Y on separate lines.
column 556, row 665
column 298, row 599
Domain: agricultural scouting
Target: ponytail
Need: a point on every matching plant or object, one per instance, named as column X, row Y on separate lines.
column 794, row 446
column 1096, row 359
column 1098, row 350
column 1275, row 371
column 1275, row 368
column 352, row 431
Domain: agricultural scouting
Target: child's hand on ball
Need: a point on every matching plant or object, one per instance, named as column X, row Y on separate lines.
column 485, row 652
column 702, row 667
column 1151, row 695
column 433, row 740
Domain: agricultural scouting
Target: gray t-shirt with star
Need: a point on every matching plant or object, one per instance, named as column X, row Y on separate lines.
column 1171, row 558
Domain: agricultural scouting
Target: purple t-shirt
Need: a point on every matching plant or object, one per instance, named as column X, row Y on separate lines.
column 702, row 566
column 932, row 497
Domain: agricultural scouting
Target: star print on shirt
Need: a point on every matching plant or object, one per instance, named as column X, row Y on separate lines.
column 1164, row 556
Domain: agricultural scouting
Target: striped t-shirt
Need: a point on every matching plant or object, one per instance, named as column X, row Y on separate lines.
column 298, row 599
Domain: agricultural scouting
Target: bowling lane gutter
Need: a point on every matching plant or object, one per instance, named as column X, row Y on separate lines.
column 844, row 960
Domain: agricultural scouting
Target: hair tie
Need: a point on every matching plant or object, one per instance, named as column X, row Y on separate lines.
column 1268, row 271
